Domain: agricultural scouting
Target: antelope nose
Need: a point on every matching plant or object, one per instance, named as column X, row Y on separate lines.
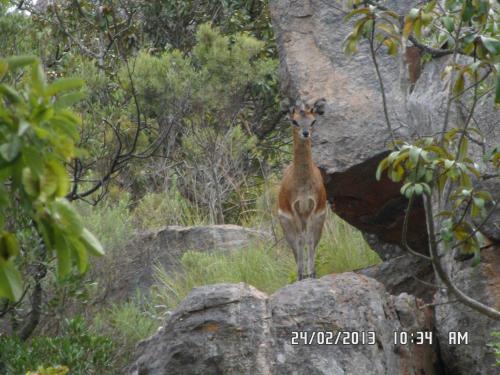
column 305, row 133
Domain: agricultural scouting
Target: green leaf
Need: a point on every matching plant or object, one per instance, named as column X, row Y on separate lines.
column 82, row 257
column 417, row 28
column 61, row 176
column 11, row 150
column 392, row 48
column 68, row 219
column 63, row 256
column 448, row 23
column 356, row 12
column 68, row 100
column 430, row 6
column 463, row 148
column 20, row 61
column 10, row 94
column 497, row 84
column 38, row 78
column 11, row 284
column 467, row 11
column 4, row 67
column 92, row 243
column 381, row 167
column 9, row 247
column 64, row 84
column 408, row 27
column 414, row 155
column 30, row 183
column 458, row 87
column 491, row 44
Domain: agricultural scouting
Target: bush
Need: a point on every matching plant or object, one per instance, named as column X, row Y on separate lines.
column 127, row 323
column 495, row 345
column 156, row 210
column 82, row 351
column 111, row 222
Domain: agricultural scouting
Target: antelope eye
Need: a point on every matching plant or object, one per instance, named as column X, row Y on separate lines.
column 295, row 123
column 314, row 122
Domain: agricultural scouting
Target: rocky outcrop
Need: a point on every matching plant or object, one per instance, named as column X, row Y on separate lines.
column 236, row 329
column 352, row 137
column 133, row 267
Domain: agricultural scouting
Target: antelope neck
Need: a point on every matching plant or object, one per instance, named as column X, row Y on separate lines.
column 302, row 156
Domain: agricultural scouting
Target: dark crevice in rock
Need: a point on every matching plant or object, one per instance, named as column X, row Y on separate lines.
column 373, row 206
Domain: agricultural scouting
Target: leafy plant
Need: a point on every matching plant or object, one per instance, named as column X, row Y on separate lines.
column 38, row 134
column 77, row 348
column 495, row 345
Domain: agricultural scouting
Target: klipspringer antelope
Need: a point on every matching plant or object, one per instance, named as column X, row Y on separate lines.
column 302, row 195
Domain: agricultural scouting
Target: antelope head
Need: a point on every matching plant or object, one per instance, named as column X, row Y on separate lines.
column 302, row 115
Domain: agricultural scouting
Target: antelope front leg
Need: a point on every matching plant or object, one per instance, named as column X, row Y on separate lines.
column 314, row 231
column 294, row 238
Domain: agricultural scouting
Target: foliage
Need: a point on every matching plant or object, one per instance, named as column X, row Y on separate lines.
column 156, row 210
column 110, row 221
column 495, row 345
column 208, row 103
column 173, row 23
column 467, row 27
column 37, row 135
column 439, row 170
column 427, row 165
column 127, row 323
column 77, row 348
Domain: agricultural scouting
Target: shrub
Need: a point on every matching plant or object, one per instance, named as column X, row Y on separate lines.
column 84, row 352
column 156, row 210
column 111, row 222
column 127, row 323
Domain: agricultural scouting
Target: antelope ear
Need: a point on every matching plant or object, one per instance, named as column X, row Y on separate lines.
column 285, row 106
column 319, row 106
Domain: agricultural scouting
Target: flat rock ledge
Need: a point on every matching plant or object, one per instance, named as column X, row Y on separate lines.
column 236, row 329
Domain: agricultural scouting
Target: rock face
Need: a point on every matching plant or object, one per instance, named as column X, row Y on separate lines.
column 236, row 329
column 482, row 283
column 352, row 137
column 135, row 262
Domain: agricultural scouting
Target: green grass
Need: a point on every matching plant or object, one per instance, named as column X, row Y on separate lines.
column 126, row 323
column 266, row 267
column 342, row 248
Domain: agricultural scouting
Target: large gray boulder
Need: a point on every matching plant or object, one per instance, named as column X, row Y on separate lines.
column 236, row 329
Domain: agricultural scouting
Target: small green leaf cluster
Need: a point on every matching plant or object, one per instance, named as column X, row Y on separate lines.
column 495, row 345
column 38, row 134
column 428, row 166
column 371, row 20
column 470, row 27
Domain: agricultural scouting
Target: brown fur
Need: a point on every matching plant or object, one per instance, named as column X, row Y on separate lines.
column 302, row 195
